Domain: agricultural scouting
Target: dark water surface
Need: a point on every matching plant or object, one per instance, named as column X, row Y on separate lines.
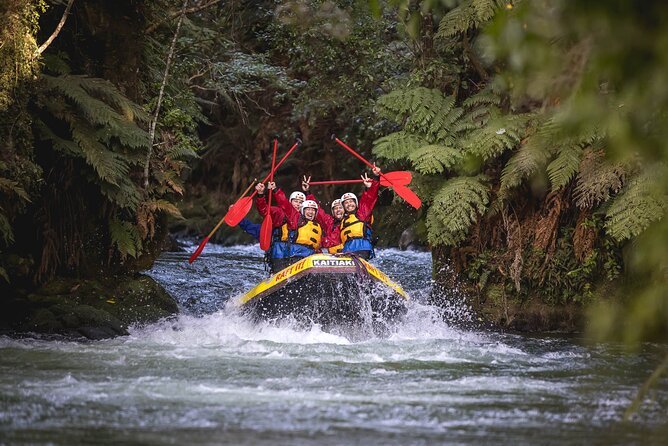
column 212, row 377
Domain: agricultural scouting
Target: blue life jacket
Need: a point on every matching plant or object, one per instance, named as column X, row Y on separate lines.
column 280, row 242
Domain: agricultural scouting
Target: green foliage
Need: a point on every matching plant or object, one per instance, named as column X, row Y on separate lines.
column 641, row 203
column 9, row 187
column 597, row 180
column 434, row 158
column 564, row 166
column 496, row 133
column 561, row 280
column 125, row 237
column 469, row 14
column 100, row 126
column 399, row 145
column 455, row 207
column 439, row 138
column 17, row 45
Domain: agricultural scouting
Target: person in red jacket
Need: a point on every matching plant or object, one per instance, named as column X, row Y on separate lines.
column 332, row 225
column 356, row 224
column 305, row 223
column 278, row 256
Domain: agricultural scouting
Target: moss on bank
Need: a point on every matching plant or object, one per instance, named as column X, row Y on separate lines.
column 89, row 308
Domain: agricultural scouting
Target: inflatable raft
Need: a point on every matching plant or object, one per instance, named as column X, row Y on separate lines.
column 331, row 290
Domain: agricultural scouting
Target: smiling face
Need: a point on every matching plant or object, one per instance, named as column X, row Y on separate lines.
column 349, row 205
column 309, row 213
column 337, row 211
column 297, row 203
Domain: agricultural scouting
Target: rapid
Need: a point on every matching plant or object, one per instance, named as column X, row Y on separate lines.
column 211, row 376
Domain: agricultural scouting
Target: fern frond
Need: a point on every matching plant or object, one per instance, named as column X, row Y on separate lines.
column 397, row 146
column 5, row 229
column 455, row 207
column 564, row 167
column 4, row 275
column 434, row 158
column 114, row 123
column 468, row 15
column 179, row 151
column 165, row 206
column 485, row 98
column 641, row 203
column 108, row 165
column 11, row 186
column 104, row 89
column 597, row 179
column 498, row 135
column 530, row 157
column 125, row 237
column 405, row 102
column 125, row 194
column 65, row 146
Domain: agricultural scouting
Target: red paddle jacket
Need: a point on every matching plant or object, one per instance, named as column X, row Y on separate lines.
column 278, row 217
column 293, row 214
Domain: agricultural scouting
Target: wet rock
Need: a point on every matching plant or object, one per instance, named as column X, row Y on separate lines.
column 408, row 240
column 95, row 309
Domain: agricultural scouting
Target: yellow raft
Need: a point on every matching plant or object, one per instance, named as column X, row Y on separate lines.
column 327, row 289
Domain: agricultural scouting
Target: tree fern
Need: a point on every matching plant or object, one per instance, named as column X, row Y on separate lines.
column 597, row 179
column 529, row 159
column 564, row 167
column 103, row 130
column 641, row 203
column 125, row 194
column 125, row 237
column 421, row 110
column 454, row 208
column 118, row 119
column 501, row 133
column 9, row 187
column 467, row 15
column 434, row 158
column 398, row 146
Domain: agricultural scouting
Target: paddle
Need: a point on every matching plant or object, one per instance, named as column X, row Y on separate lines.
column 398, row 177
column 401, row 190
column 199, row 249
column 240, row 209
column 267, row 225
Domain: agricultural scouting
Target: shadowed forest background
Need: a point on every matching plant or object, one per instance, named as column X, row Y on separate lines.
column 536, row 131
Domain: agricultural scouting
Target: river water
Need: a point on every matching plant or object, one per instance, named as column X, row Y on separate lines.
column 213, row 377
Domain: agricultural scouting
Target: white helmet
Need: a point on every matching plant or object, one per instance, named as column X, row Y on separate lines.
column 348, row 196
column 308, row 204
column 336, row 202
column 297, row 194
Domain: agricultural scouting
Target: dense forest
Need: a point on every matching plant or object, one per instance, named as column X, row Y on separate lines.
column 536, row 132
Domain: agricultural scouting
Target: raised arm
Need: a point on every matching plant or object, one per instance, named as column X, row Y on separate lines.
column 368, row 200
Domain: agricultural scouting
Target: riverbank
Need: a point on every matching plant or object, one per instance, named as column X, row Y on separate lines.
column 86, row 308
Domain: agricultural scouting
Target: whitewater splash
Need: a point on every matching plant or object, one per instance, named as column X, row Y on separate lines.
column 212, row 376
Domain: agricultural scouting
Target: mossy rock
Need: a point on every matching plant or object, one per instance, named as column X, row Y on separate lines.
column 95, row 309
column 86, row 319
column 58, row 285
column 44, row 321
column 141, row 300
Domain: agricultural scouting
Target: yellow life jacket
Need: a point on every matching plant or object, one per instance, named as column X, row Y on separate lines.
column 353, row 227
column 309, row 234
column 285, row 233
column 282, row 233
column 335, row 249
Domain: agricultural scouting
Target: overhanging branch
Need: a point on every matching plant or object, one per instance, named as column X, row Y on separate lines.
column 55, row 33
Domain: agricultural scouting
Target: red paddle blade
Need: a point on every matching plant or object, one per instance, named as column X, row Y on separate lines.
column 238, row 211
column 198, row 251
column 265, row 233
column 408, row 195
column 401, row 177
